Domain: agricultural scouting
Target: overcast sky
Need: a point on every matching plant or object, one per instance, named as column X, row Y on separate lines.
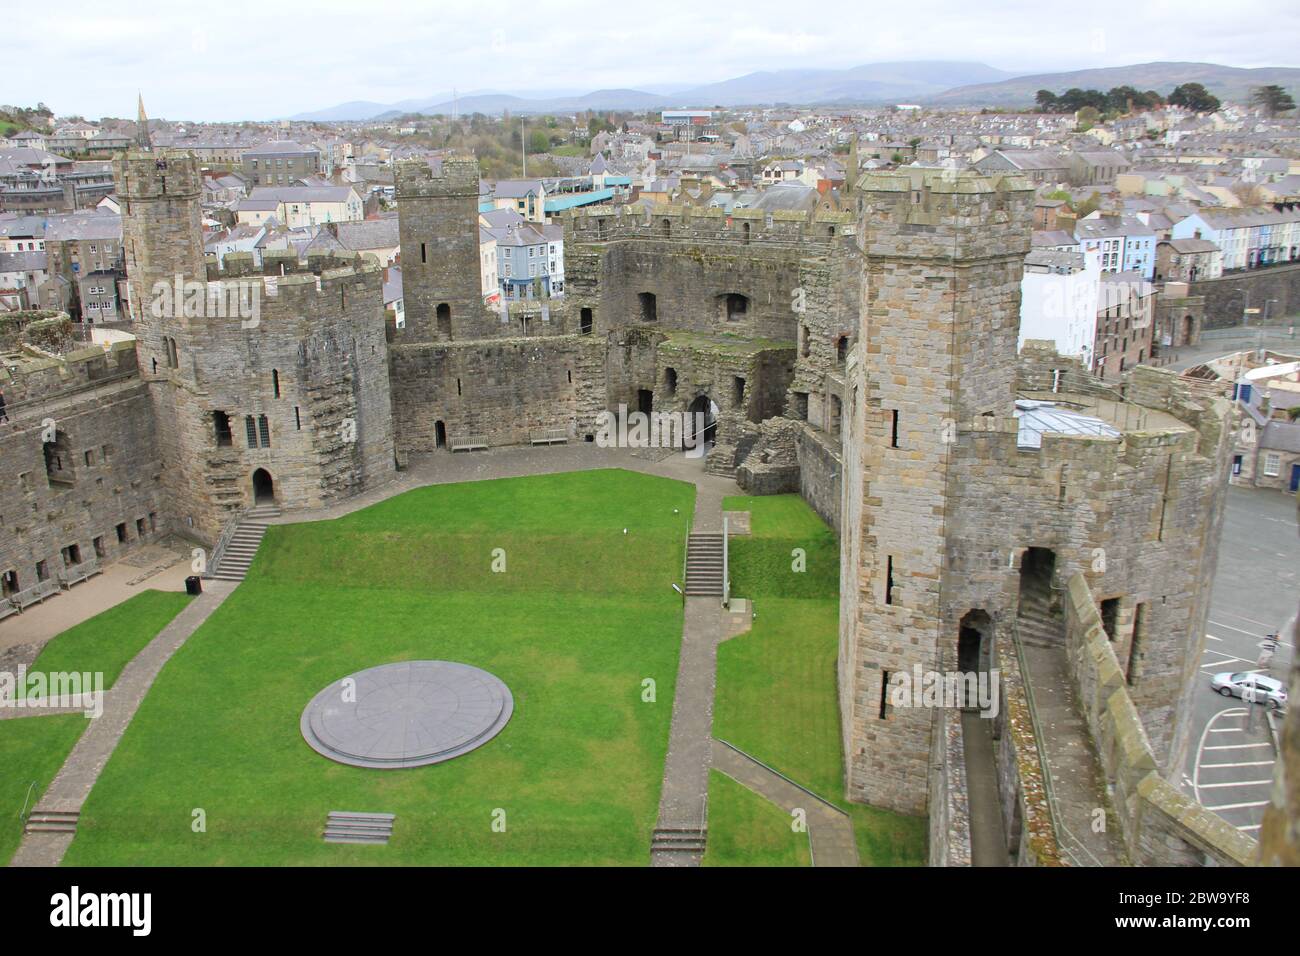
column 258, row 60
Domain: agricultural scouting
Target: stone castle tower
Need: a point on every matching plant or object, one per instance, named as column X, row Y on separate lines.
column 439, row 233
column 940, row 309
column 161, row 232
column 269, row 384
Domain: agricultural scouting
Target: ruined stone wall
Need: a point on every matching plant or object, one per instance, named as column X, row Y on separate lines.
column 819, row 473
column 108, row 472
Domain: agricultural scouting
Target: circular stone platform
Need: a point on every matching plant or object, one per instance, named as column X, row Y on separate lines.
column 407, row 715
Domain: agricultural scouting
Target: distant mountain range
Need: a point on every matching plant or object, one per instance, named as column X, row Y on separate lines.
column 939, row 83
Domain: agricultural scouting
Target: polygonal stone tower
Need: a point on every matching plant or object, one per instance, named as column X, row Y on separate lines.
column 162, row 240
column 942, row 258
column 438, row 228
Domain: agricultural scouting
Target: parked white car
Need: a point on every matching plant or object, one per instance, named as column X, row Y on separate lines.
column 1257, row 687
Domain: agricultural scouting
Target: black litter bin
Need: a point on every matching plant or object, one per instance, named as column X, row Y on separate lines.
column 193, row 585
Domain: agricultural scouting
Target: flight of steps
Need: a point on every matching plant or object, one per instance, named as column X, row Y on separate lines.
column 243, row 544
column 678, row 840
column 1038, row 623
column 704, row 565
column 52, row 821
column 343, row 826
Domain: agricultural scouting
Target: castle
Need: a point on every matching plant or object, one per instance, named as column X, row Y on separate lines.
column 862, row 354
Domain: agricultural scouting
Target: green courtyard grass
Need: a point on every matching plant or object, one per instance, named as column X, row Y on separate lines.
column 776, row 693
column 582, row 615
column 748, row 830
column 32, row 749
column 109, row 640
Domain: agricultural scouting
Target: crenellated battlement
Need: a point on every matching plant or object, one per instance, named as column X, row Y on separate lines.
column 458, row 176
column 920, row 213
column 160, row 174
column 818, row 229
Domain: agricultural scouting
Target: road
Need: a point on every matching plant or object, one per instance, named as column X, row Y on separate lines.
column 1230, row 760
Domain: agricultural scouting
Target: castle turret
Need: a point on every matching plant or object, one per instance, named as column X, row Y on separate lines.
column 438, row 228
column 942, row 257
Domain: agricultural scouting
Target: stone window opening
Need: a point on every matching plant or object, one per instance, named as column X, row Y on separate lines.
column 221, row 429
column 670, row 380
column 665, row 227
column 884, row 695
column 58, row 460
column 833, row 424
column 275, row 382
column 804, row 341
column 424, row 253
column 842, row 349
column 42, row 571
column 1132, row 671
column 584, row 320
column 649, row 306
column 733, row 306
column 120, row 528
column 889, row 579
column 264, row 431
column 738, row 386
column 443, row 313
column 744, row 231
column 250, row 431
column 893, row 428
column 297, row 419
column 9, row 582
column 71, row 555
column 801, row 406
column 98, row 544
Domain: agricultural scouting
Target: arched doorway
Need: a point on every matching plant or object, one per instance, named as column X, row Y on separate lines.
column 703, row 405
column 974, row 651
column 1189, row 329
column 263, row 487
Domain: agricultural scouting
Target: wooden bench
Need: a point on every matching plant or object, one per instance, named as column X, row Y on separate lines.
column 469, row 443
column 8, row 608
column 79, row 572
column 550, row 436
column 35, row 594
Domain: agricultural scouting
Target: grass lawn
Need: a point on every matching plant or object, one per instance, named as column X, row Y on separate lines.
column 582, row 614
column 776, row 696
column 748, row 830
column 31, row 749
column 109, row 640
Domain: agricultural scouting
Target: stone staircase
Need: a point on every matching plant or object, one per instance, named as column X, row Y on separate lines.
column 683, row 840
column 704, row 565
column 52, row 821
column 343, row 826
column 1040, row 623
column 243, row 545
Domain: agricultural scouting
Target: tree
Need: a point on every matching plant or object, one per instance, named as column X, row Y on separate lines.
column 1272, row 99
column 538, row 141
column 1195, row 97
column 1087, row 118
column 1046, row 101
column 1119, row 99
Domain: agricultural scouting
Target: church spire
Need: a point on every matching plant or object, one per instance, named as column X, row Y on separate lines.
column 142, row 138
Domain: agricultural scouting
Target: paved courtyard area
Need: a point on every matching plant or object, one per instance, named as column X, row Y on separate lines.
column 1230, row 760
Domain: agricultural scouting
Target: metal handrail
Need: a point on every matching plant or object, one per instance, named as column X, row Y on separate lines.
column 227, row 534
column 726, row 569
column 22, row 814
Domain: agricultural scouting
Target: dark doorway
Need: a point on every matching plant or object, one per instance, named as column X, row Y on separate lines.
column 733, row 306
column 1189, row 329
column 584, row 319
column 649, row 306
column 263, row 487
column 974, row 650
column 645, row 401
column 1039, row 621
column 444, row 319
column 1109, row 616
column 439, row 434
column 702, row 406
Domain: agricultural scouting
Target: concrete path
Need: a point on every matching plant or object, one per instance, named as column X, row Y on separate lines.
column 70, row 787
column 830, row 831
column 1078, row 783
column 988, row 839
column 684, row 798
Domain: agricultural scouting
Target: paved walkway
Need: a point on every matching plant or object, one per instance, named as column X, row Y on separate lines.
column 830, row 831
column 70, row 787
column 161, row 567
column 988, row 838
column 1077, row 779
column 684, row 797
